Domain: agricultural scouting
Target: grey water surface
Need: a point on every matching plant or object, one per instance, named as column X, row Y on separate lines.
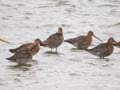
column 22, row 21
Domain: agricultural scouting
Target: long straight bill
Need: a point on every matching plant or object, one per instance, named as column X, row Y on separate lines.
column 98, row 38
column 5, row 41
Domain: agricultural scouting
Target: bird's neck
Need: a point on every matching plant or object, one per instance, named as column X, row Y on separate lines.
column 90, row 38
column 32, row 46
column 111, row 45
column 60, row 33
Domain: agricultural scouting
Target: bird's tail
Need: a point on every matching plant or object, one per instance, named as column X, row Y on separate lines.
column 12, row 50
column 43, row 44
column 12, row 58
column 66, row 40
column 69, row 40
column 86, row 49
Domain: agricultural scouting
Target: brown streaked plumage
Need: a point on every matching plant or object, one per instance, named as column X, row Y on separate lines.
column 103, row 49
column 35, row 50
column 24, row 53
column 82, row 42
column 55, row 40
column 21, row 57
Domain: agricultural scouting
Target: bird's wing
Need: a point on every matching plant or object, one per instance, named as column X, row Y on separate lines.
column 20, row 47
column 79, row 39
column 23, row 54
column 52, row 37
column 100, row 47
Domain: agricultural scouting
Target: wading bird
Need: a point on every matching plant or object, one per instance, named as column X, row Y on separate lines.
column 82, row 42
column 55, row 40
column 25, row 52
column 103, row 49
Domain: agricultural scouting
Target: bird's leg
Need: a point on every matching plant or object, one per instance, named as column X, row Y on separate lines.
column 56, row 50
column 102, row 56
column 51, row 49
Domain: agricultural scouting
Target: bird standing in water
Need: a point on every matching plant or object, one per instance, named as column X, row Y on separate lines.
column 55, row 40
column 103, row 49
column 82, row 42
column 35, row 50
column 21, row 57
column 25, row 52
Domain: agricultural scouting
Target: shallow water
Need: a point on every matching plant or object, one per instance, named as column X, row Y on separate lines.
column 22, row 21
